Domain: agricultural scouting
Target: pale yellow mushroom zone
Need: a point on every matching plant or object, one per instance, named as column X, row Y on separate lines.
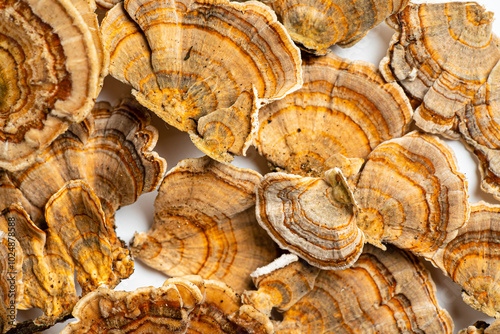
column 261, row 166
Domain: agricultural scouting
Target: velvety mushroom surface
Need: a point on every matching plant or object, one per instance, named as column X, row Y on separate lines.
column 318, row 24
column 313, row 218
column 182, row 305
column 447, row 60
column 383, row 292
column 471, row 259
column 49, row 73
column 411, row 194
column 205, row 224
column 345, row 108
column 175, row 56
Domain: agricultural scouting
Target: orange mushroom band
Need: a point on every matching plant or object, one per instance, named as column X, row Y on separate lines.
column 186, row 304
column 448, row 61
column 383, row 292
column 49, row 75
column 205, row 224
column 345, row 108
column 175, row 56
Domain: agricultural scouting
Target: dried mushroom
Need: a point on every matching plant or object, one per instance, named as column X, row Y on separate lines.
column 447, row 59
column 313, row 218
column 107, row 4
column 11, row 288
column 182, row 305
column 205, row 224
column 49, row 76
column 345, row 108
column 411, row 194
column 281, row 284
column 317, row 25
column 175, row 56
column 47, row 269
column 471, row 259
column 383, row 292
column 480, row 327
column 111, row 150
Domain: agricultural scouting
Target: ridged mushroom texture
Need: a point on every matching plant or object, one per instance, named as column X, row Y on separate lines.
column 471, row 259
column 49, row 74
column 411, row 194
column 175, row 55
column 314, row 218
column 383, row 292
column 345, row 108
column 318, row 24
column 182, row 305
column 447, row 59
column 205, row 224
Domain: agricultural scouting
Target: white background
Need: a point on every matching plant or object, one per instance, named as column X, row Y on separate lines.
column 174, row 146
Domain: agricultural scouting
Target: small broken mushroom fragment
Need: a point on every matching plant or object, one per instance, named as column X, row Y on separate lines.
column 318, row 24
column 314, row 218
column 472, row 260
column 383, row 292
column 49, row 72
column 446, row 57
column 411, row 194
column 175, row 56
column 11, row 287
column 205, row 224
column 280, row 284
column 186, row 304
column 480, row 327
column 345, row 108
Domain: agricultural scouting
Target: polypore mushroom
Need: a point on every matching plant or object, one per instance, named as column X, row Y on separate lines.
column 314, row 218
column 205, row 224
column 318, row 24
column 49, row 76
column 175, row 56
column 411, row 194
column 345, row 108
column 182, row 305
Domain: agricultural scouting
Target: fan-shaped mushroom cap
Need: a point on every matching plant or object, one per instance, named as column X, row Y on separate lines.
column 75, row 215
column 111, row 150
column 441, row 54
column 11, row 288
column 383, row 292
column 411, row 194
column 182, row 305
column 175, row 56
column 344, row 108
column 471, row 259
column 281, row 284
column 205, row 224
column 47, row 270
column 48, row 76
column 317, row 25
column 311, row 217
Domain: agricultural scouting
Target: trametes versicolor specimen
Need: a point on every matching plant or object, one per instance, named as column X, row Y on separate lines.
column 471, row 259
column 383, row 292
column 317, row 25
column 447, row 59
column 480, row 327
column 110, row 153
column 49, row 76
column 205, row 224
column 345, row 108
column 314, row 218
column 411, row 194
column 204, row 66
column 186, row 304
column 107, row 4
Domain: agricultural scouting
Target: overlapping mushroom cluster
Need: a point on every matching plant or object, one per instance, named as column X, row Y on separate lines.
column 352, row 193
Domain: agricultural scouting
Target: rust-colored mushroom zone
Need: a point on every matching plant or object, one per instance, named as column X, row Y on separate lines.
column 305, row 192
